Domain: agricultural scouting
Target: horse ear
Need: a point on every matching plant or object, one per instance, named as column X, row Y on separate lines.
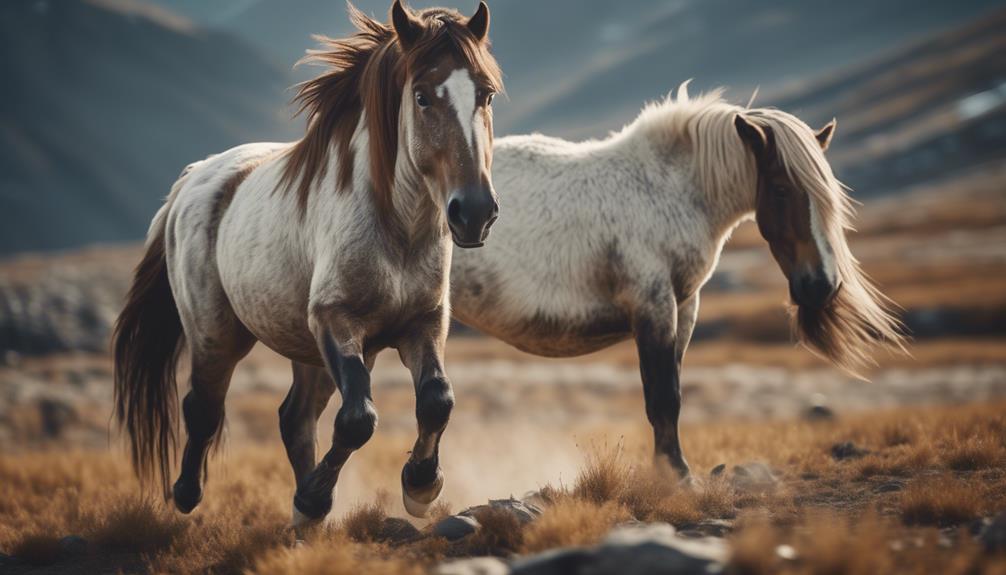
column 752, row 135
column 479, row 23
column 407, row 28
column 824, row 134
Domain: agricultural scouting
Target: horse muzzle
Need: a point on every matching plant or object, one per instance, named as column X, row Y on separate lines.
column 812, row 290
column 470, row 214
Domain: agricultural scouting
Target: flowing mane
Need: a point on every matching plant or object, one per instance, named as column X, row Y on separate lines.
column 366, row 76
column 859, row 317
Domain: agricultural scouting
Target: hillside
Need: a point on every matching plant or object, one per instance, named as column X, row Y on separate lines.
column 104, row 103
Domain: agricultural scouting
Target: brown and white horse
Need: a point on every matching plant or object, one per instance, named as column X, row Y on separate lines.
column 327, row 250
column 611, row 239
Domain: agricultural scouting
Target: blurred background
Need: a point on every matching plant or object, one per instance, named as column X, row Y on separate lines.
column 102, row 102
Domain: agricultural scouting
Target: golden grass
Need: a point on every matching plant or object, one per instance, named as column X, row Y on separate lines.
column 949, row 461
column 941, row 501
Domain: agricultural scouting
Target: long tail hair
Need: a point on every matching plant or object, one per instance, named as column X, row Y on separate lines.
column 147, row 341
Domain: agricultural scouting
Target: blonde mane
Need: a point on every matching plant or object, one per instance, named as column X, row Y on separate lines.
column 860, row 317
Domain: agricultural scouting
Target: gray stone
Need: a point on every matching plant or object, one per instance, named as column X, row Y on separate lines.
column 476, row 566
column 847, row 450
column 465, row 523
column 706, row 528
column 993, row 537
column 819, row 413
column 632, row 550
column 718, row 470
column 524, row 511
column 454, row 527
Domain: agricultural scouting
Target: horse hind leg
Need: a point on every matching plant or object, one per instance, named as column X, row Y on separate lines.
column 298, row 415
column 203, row 406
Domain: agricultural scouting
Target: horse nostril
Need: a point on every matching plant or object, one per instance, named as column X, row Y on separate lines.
column 454, row 212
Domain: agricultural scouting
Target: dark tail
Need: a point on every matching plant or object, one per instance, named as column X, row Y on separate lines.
column 147, row 341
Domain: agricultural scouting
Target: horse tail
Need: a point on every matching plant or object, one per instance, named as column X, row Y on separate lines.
column 147, row 341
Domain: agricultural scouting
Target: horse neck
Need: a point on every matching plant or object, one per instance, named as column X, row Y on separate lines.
column 722, row 209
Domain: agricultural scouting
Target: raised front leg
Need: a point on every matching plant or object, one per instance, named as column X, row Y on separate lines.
column 660, row 342
column 422, row 479
column 354, row 424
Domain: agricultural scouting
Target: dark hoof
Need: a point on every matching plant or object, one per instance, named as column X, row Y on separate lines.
column 186, row 496
column 421, row 485
column 308, row 509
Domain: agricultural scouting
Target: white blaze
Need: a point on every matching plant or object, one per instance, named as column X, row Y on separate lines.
column 821, row 239
column 459, row 89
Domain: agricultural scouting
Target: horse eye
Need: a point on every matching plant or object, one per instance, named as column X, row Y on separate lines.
column 421, row 100
column 484, row 95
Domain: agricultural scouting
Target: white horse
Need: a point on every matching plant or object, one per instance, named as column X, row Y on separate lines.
column 327, row 250
column 611, row 239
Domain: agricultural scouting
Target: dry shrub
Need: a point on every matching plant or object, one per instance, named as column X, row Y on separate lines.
column 136, row 524
column 972, row 453
column 500, row 533
column 941, row 501
column 37, row 549
column 903, row 460
column 603, row 476
column 572, row 521
column 338, row 556
column 364, row 522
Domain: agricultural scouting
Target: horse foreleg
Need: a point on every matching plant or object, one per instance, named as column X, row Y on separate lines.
column 661, row 341
column 354, row 425
column 422, row 478
column 298, row 415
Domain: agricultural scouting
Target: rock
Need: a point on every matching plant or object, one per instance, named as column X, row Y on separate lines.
column 525, row 512
column 847, row 450
column 819, row 413
column 73, row 545
column 465, row 523
column 993, row 537
column 718, row 470
column 476, row 566
column 753, row 477
column 397, row 530
column 633, row 550
column 706, row 528
column 454, row 527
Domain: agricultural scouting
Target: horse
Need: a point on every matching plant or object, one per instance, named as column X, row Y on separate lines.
column 610, row 239
column 327, row 250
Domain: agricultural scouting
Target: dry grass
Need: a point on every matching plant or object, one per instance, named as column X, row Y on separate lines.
column 942, row 501
column 947, row 460
column 827, row 542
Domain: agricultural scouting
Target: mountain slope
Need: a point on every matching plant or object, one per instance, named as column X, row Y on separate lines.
column 104, row 104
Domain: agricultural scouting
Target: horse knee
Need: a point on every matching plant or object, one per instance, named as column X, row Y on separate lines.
column 354, row 425
column 434, row 404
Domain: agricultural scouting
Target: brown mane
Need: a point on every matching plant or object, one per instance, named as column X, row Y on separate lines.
column 367, row 74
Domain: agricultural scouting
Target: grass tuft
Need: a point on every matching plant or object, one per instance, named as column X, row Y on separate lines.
column 942, row 501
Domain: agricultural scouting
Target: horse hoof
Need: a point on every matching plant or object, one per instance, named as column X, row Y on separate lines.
column 417, row 500
column 310, row 514
column 186, row 498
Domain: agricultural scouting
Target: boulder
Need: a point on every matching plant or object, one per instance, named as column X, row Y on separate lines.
column 632, row 550
column 454, row 527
